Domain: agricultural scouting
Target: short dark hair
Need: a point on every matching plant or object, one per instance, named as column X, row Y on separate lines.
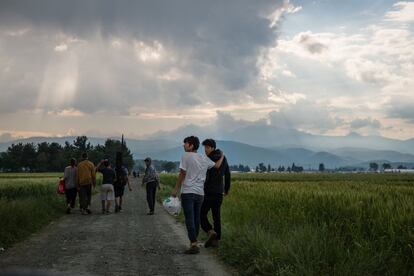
column 147, row 160
column 72, row 162
column 106, row 162
column 192, row 140
column 209, row 142
column 84, row 155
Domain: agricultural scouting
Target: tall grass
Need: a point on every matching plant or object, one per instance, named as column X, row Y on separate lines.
column 319, row 224
column 27, row 204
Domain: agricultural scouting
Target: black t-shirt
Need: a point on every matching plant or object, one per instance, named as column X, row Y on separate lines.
column 108, row 175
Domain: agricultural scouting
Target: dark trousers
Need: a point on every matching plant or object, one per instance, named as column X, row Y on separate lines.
column 71, row 196
column 191, row 204
column 85, row 194
column 213, row 203
column 151, row 191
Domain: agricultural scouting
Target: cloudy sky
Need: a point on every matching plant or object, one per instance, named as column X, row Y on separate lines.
column 102, row 68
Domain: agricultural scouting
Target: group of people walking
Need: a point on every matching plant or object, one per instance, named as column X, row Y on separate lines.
column 203, row 180
column 81, row 178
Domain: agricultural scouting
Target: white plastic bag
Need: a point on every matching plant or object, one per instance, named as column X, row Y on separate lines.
column 172, row 205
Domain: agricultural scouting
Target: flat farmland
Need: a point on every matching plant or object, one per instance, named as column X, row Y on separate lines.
column 318, row 224
column 27, row 202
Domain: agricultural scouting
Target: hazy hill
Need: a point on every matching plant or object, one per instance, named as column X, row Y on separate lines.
column 242, row 153
column 270, row 137
column 239, row 153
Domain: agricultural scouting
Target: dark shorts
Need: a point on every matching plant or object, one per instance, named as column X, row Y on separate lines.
column 119, row 190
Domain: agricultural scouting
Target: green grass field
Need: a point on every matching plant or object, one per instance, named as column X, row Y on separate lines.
column 318, row 224
column 28, row 201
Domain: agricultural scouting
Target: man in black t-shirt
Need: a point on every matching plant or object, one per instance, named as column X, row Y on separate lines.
column 216, row 184
column 107, row 188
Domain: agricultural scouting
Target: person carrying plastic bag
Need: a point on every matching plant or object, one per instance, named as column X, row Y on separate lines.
column 193, row 169
column 172, row 205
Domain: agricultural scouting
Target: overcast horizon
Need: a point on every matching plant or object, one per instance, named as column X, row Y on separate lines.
column 102, row 68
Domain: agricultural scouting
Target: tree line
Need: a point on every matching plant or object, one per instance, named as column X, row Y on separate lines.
column 53, row 157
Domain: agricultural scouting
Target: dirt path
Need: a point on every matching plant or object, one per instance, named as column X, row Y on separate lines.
column 128, row 243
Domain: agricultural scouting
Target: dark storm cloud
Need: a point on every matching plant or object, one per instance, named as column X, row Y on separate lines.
column 368, row 122
column 402, row 108
column 311, row 44
column 215, row 42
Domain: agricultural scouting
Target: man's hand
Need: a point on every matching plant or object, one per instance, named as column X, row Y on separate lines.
column 174, row 193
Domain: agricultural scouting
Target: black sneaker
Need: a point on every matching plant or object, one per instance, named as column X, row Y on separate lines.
column 68, row 210
column 103, row 211
column 116, row 209
column 120, row 208
column 194, row 249
column 88, row 211
column 150, row 213
column 211, row 237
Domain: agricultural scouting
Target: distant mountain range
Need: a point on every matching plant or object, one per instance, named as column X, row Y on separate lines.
column 252, row 155
column 240, row 153
column 268, row 136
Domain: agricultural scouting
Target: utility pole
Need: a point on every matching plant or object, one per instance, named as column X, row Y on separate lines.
column 120, row 153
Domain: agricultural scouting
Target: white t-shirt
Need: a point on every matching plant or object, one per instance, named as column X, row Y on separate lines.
column 195, row 166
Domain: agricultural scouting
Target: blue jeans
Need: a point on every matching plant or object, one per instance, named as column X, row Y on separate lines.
column 191, row 204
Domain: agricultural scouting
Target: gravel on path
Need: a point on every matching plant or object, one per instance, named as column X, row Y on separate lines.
column 126, row 243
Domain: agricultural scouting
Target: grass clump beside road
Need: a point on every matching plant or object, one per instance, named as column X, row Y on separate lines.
column 27, row 202
column 319, row 224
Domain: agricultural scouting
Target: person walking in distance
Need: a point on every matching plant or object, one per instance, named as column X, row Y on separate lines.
column 216, row 184
column 193, row 169
column 107, row 188
column 86, row 179
column 121, row 181
column 70, row 177
column 152, row 182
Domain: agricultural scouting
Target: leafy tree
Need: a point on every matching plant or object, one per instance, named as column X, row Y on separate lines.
column 262, row 167
column 15, row 157
column 321, row 167
column 373, row 166
column 386, row 166
column 81, row 145
column 53, row 157
column 28, row 156
column 169, row 166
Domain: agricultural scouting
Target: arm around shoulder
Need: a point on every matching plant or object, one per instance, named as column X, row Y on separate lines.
column 219, row 162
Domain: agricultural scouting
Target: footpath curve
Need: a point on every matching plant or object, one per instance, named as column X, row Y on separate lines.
column 128, row 243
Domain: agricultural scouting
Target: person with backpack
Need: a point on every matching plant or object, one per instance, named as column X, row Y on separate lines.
column 217, row 183
column 121, row 180
column 70, row 178
column 107, row 188
column 193, row 169
column 152, row 181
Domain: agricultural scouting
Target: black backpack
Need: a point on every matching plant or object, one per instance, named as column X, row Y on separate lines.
column 120, row 176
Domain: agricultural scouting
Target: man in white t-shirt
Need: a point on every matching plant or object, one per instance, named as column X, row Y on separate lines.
column 193, row 169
